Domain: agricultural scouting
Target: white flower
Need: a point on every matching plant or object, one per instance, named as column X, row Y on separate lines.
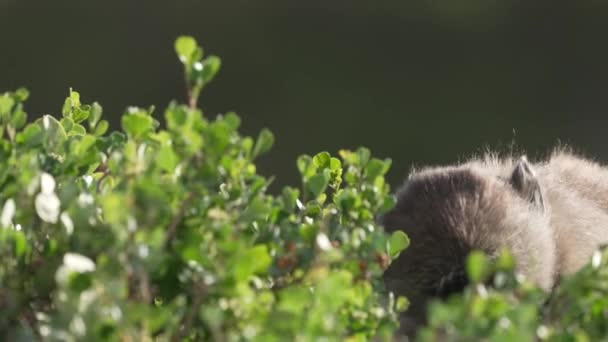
column 47, row 203
column 73, row 262
column 46, row 122
column 67, row 223
column 131, row 224
column 143, row 251
column 88, row 179
column 47, row 207
column 77, row 326
column 323, row 242
column 85, row 199
column 47, row 183
column 596, row 260
column 8, row 212
column 87, row 298
column 78, row 263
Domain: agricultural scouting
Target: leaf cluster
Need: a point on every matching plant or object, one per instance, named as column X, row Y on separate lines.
column 170, row 234
column 502, row 306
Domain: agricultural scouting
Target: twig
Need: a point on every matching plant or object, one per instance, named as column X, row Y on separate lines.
column 101, row 179
column 188, row 319
column 177, row 219
column 106, row 172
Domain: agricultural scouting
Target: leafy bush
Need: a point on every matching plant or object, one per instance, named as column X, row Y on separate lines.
column 169, row 234
column 511, row 309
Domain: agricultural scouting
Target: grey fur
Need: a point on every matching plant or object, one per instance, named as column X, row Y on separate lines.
column 552, row 215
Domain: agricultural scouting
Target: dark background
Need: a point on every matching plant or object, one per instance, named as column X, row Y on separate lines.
column 421, row 82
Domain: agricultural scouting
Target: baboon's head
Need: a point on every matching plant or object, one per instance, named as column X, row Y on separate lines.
column 448, row 212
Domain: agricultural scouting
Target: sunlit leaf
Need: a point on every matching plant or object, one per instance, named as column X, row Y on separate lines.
column 264, row 143
column 397, row 243
column 185, row 46
column 478, row 266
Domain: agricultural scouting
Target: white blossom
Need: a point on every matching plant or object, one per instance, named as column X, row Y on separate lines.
column 78, row 263
column 85, row 199
column 47, row 207
column 67, row 223
column 323, row 242
column 47, row 183
column 73, row 262
column 8, row 212
column 77, row 326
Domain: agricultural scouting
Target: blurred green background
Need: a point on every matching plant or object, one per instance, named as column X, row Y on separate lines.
column 422, row 82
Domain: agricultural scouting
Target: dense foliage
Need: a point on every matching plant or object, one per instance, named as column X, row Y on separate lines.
column 505, row 307
column 169, row 234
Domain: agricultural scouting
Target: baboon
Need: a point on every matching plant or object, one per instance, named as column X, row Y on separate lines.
column 551, row 215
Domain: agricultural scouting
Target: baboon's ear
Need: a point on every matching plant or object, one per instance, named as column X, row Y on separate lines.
column 524, row 181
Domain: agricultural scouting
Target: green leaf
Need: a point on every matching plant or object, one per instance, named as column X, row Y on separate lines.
column 19, row 117
column 264, row 143
column 75, row 97
column 85, row 144
column 137, row 124
column 71, row 107
column 167, row 159
column 308, row 232
column 317, row 184
column 66, row 110
column 306, row 166
column 402, row 303
column 79, row 114
column 21, row 245
column 95, row 114
column 67, row 124
column 232, row 120
column 211, row 65
column 290, row 196
column 102, row 128
column 254, row 260
column 347, row 200
column 387, row 204
column 114, row 208
column 175, row 116
column 295, row 299
column 376, row 168
column 505, row 260
column 478, row 266
column 397, row 243
column 363, row 155
column 185, row 47
column 335, row 164
column 31, row 135
column 322, row 160
column 256, row 210
column 22, row 94
column 349, row 157
column 6, row 103
column 78, row 129
column 54, row 135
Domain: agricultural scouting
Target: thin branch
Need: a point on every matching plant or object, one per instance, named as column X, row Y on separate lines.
column 106, row 172
column 188, row 319
column 177, row 219
column 101, row 179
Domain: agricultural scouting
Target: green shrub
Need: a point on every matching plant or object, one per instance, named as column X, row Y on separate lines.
column 512, row 309
column 169, row 234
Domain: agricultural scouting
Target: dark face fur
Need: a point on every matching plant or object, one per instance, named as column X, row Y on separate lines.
column 448, row 212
